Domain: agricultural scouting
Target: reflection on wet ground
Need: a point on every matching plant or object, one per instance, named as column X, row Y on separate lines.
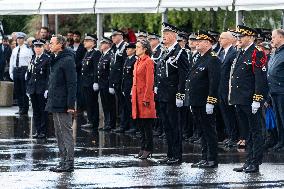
column 105, row 160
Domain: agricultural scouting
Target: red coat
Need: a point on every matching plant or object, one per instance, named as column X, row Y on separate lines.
column 142, row 88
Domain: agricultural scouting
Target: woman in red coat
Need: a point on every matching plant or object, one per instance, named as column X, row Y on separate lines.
column 143, row 104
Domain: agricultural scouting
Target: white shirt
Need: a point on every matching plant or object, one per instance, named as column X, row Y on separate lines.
column 24, row 57
column 248, row 47
column 75, row 46
column 119, row 44
column 226, row 51
column 104, row 53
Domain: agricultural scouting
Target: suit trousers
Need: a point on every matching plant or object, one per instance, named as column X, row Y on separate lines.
column 207, row 124
column 20, row 88
column 169, row 117
column 278, row 107
column 92, row 105
column 40, row 117
column 109, row 108
column 145, row 127
column 127, row 109
column 64, row 135
column 121, row 102
column 255, row 140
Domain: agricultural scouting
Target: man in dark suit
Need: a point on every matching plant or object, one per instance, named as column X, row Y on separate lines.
column 172, row 70
column 90, row 88
column 247, row 91
column 227, row 56
column 202, row 96
column 5, row 54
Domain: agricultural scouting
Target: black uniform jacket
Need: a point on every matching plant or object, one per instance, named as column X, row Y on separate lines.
column 116, row 66
column 90, row 67
column 203, row 80
column 171, row 74
column 248, row 77
column 104, row 69
column 38, row 74
column 127, row 78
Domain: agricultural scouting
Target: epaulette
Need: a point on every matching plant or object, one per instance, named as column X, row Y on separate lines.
column 213, row 53
column 258, row 48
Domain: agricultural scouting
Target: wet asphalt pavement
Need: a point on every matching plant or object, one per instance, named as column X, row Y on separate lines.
column 105, row 160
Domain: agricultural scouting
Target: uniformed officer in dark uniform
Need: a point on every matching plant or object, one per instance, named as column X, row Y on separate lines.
column 216, row 45
column 157, row 51
column 37, row 86
column 247, row 92
column 142, row 35
column 107, row 99
column 116, row 68
column 127, row 79
column 172, row 70
column 201, row 94
column 89, row 81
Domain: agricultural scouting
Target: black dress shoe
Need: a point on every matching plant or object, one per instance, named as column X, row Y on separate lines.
column 139, row 154
column 35, row 135
column 17, row 112
column 56, row 167
column 66, row 167
column 252, row 169
column 107, row 128
column 87, row 125
column 131, row 131
column 163, row 161
column 146, row 155
column 241, row 169
column 197, row 141
column 208, row 164
column 119, row 130
column 41, row 136
column 195, row 165
column 174, row 161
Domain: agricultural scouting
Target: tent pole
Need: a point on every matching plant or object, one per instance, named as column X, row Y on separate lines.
column 165, row 16
column 44, row 20
column 239, row 18
column 99, row 26
column 282, row 19
column 56, row 24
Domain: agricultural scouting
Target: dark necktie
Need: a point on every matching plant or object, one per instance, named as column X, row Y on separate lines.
column 222, row 55
column 18, row 57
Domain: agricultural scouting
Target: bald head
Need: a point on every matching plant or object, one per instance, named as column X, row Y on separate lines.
column 226, row 39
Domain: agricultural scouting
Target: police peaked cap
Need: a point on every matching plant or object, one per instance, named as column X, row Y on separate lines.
column 203, row 35
column 38, row 42
column 117, row 32
column 169, row 27
column 245, row 31
column 182, row 36
column 90, row 37
column 21, row 35
column 106, row 40
column 142, row 33
column 131, row 45
column 153, row 36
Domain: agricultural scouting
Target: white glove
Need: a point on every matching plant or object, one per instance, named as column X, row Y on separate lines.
column 111, row 90
column 26, row 76
column 11, row 76
column 255, row 106
column 45, row 94
column 179, row 103
column 209, row 108
column 96, row 86
column 156, row 90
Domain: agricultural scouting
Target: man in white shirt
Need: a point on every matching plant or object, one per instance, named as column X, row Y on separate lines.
column 20, row 58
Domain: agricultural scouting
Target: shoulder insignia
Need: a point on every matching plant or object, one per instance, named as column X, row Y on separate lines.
column 213, row 53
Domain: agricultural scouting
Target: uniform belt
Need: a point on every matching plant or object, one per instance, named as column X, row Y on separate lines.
column 21, row 67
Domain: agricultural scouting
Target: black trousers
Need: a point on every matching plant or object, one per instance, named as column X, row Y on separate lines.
column 2, row 69
column 229, row 117
column 278, row 107
column 145, row 127
column 207, row 124
column 20, row 88
column 169, row 117
column 109, row 108
column 40, row 117
column 92, row 106
column 81, row 105
column 158, row 125
column 121, row 102
column 185, row 121
column 127, row 110
column 255, row 140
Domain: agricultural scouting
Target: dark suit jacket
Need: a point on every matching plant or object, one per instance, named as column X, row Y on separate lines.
column 225, row 73
column 80, row 53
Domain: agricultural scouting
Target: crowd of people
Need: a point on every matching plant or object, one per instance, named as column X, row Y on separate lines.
column 202, row 88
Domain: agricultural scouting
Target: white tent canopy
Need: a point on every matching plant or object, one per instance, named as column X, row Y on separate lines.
column 126, row 6
column 248, row 5
column 196, row 4
column 67, row 6
column 19, row 7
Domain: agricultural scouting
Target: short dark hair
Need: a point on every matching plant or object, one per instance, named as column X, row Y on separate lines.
column 146, row 44
column 77, row 33
column 45, row 28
